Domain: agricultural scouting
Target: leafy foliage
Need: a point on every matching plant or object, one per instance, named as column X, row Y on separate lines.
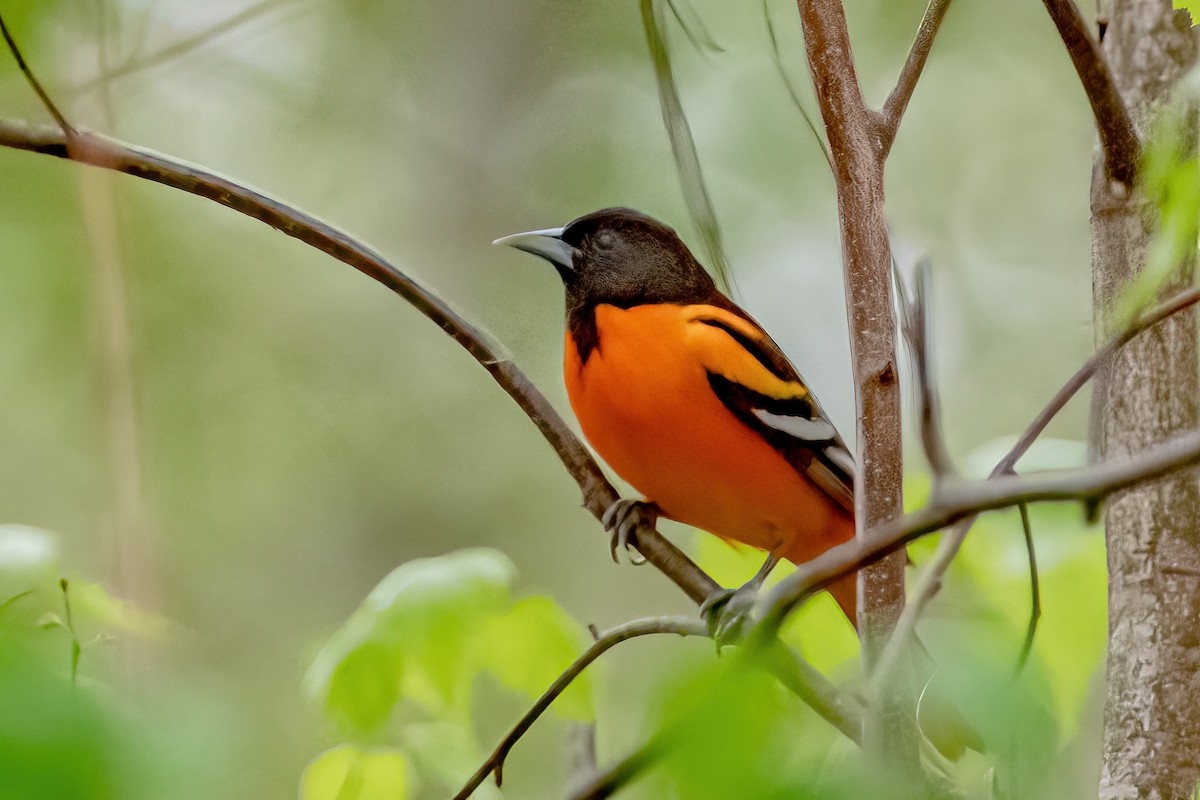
column 60, row 735
column 347, row 772
column 1170, row 178
column 414, row 648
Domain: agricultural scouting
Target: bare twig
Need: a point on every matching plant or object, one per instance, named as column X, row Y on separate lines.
column 807, row 683
column 34, row 82
column 609, row 780
column 180, row 48
column 1035, row 590
column 916, row 326
column 897, row 101
column 1118, row 137
column 680, row 626
column 581, row 754
column 948, row 547
column 76, row 647
column 960, row 500
column 683, row 146
column 598, row 493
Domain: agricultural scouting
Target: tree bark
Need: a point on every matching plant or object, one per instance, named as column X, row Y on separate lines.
column 1152, row 389
column 856, row 144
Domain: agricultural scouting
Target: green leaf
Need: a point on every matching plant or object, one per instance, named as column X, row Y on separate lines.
column 364, row 687
column 730, row 730
column 421, row 625
column 348, row 772
column 96, row 608
column 1170, row 178
column 531, row 645
column 56, row 740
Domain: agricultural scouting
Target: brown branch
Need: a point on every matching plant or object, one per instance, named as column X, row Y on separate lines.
column 897, row 101
column 948, row 547
column 966, row 499
column 598, row 493
column 1035, row 589
column 854, row 132
column 33, row 81
column 610, row 780
column 1118, row 138
column 914, row 322
column 680, row 626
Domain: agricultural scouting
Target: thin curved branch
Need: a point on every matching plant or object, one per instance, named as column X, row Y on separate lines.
column 1118, row 137
column 179, row 48
column 1035, row 590
column 34, row 83
column 612, row 778
column 598, row 493
column 948, row 547
column 897, row 101
column 961, row 500
column 915, row 324
column 97, row 150
column 680, row 626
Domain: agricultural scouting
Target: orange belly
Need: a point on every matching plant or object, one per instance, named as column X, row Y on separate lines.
column 648, row 409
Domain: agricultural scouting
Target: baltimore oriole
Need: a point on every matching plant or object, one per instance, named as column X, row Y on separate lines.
column 689, row 399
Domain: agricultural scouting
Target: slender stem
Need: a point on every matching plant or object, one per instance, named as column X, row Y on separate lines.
column 34, row 82
column 916, row 326
column 180, row 48
column 92, row 148
column 897, row 101
column 948, row 547
column 1035, row 590
column 610, row 780
column 1118, row 137
column 961, row 500
column 598, row 493
column 681, row 626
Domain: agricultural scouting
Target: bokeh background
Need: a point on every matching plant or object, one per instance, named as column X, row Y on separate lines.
column 289, row 431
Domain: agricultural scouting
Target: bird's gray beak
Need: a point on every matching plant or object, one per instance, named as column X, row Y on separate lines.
column 548, row 244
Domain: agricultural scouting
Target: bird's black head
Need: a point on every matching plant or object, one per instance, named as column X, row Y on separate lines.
column 621, row 257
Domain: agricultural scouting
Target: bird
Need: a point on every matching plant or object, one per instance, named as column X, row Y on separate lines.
column 689, row 400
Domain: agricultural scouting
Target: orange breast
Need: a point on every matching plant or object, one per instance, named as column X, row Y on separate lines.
column 644, row 402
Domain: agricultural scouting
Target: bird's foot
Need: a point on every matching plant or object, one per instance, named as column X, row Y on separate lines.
column 621, row 519
column 729, row 613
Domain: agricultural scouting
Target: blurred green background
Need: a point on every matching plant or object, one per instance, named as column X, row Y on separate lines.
column 297, row 431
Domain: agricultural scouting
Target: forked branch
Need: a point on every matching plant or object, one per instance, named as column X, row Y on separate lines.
column 906, row 84
column 963, row 499
column 951, row 542
column 1118, row 137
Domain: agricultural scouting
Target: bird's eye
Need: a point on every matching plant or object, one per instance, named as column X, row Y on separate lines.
column 605, row 240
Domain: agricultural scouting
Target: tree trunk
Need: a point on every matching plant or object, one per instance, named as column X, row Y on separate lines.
column 1151, row 390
